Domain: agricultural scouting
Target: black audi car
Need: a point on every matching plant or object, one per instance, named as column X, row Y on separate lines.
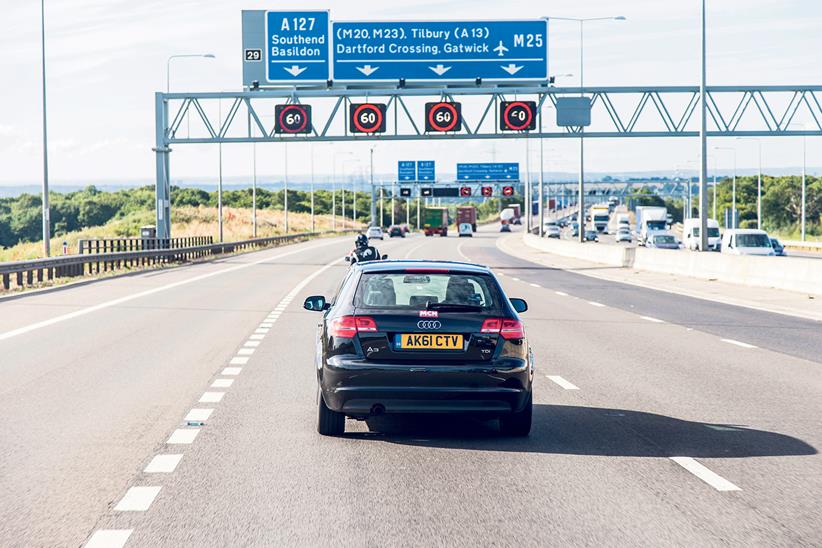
column 422, row 337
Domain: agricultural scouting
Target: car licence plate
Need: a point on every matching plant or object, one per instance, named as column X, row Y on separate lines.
column 429, row 341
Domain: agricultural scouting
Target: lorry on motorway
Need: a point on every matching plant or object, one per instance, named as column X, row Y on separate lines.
column 690, row 234
column 467, row 214
column 650, row 219
column 517, row 219
column 623, row 219
column 600, row 214
column 435, row 221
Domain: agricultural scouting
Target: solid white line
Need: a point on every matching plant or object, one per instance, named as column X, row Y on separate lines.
column 239, row 360
column 252, row 344
column 561, row 293
column 650, row 319
column 163, row 464
column 562, row 382
column 183, row 435
column 738, row 343
column 211, row 397
column 245, row 351
column 197, row 414
column 127, row 298
column 534, row 285
column 231, row 370
column 463, row 255
column 594, row 303
column 257, row 337
column 413, row 249
column 222, row 383
column 711, row 478
column 109, row 538
column 137, row 499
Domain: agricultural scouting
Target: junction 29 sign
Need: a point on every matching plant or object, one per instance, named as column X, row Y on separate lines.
column 307, row 48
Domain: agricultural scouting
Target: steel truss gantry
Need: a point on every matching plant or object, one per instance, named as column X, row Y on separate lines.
column 733, row 111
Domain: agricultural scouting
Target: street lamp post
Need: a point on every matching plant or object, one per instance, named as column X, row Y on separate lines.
column 733, row 187
column 758, row 182
column 181, row 56
column 581, row 214
column 46, row 216
column 312, row 188
column 804, row 172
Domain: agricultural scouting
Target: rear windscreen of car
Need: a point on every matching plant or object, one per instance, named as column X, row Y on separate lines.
column 414, row 291
column 664, row 239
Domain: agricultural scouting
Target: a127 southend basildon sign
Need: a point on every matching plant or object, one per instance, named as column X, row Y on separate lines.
column 302, row 48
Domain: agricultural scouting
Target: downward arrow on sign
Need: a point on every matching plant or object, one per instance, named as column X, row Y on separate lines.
column 368, row 70
column 294, row 70
column 439, row 70
column 511, row 69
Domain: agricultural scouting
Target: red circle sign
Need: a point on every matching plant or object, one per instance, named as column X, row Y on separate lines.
column 371, row 127
column 509, row 122
column 436, row 108
column 291, row 128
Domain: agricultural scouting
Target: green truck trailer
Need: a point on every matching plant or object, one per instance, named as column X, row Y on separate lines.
column 435, row 221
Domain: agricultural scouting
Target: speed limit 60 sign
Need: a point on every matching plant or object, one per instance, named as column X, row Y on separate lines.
column 443, row 116
column 368, row 118
column 292, row 118
column 518, row 115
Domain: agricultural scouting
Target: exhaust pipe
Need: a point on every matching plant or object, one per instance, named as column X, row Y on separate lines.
column 377, row 409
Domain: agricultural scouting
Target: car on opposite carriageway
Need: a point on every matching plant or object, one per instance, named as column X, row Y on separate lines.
column 422, row 337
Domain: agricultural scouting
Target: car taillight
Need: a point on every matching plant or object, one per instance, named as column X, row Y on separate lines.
column 348, row 326
column 507, row 329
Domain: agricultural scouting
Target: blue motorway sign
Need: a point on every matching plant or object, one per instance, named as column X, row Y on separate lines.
column 425, row 171
column 440, row 51
column 493, row 171
column 406, row 170
column 298, row 46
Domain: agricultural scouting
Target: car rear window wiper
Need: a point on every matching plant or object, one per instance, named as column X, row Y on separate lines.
column 456, row 307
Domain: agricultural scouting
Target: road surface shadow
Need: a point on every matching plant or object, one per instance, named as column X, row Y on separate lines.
column 572, row 430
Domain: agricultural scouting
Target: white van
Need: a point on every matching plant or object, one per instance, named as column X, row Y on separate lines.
column 690, row 234
column 738, row 241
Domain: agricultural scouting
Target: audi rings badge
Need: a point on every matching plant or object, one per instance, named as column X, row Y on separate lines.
column 429, row 324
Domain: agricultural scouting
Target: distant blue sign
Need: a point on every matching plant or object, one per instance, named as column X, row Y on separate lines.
column 440, row 51
column 298, row 46
column 406, row 171
column 488, row 172
column 425, row 171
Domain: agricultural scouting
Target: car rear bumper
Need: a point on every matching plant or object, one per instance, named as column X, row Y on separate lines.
column 360, row 388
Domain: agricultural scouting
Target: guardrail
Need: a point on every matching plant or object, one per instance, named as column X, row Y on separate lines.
column 116, row 245
column 27, row 273
column 797, row 245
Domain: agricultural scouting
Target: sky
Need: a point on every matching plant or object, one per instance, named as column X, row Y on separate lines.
column 106, row 58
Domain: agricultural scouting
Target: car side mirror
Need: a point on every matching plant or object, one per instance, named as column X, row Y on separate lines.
column 519, row 304
column 315, row 303
column 384, row 257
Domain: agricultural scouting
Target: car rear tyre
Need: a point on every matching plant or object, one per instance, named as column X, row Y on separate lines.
column 518, row 424
column 329, row 423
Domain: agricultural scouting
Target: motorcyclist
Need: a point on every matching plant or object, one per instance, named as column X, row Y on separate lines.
column 364, row 251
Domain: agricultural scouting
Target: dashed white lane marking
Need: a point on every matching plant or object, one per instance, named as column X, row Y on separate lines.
column 501, row 274
column 137, row 499
column 561, row 293
column 594, row 303
column 650, row 319
column 163, row 464
column 127, row 298
column 261, row 330
column 266, row 325
column 534, row 285
column 183, row 435
column 239, row 360
column 222, row 383
column 245, row 351
column 232, row 370
column 515, row 279
column 199, row 414
column 711, row 478
column 252, row 344
column 109, row 538
column 257, row 337
column 211, row 397
column 738, row 343
column 562, row 382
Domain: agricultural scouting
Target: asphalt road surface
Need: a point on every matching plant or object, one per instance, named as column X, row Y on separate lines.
column 177, row 408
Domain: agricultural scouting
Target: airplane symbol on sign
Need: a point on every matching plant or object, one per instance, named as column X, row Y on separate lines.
column 501, row 49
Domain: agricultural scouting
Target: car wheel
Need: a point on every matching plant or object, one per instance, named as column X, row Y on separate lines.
column 518, row 424
column 329, row 423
